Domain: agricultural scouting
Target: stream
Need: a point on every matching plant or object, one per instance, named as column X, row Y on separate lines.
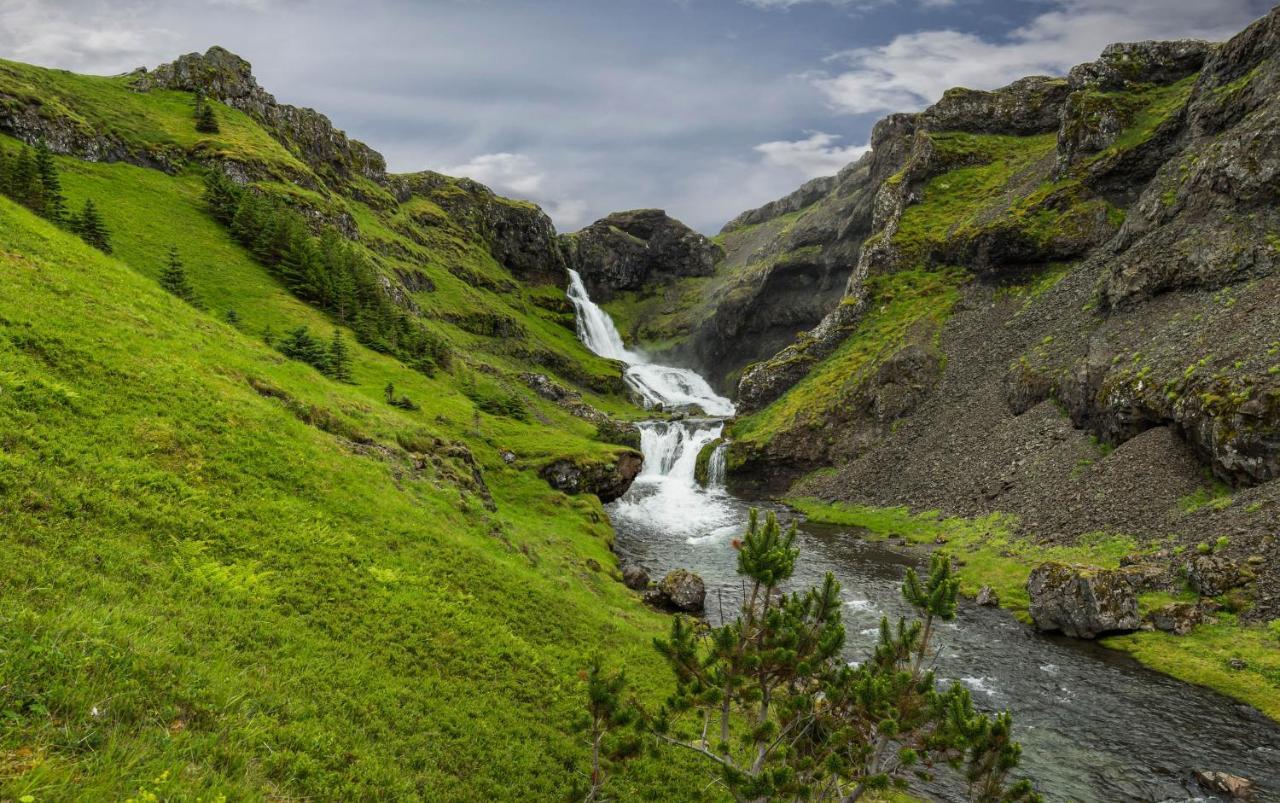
column 1094, row 724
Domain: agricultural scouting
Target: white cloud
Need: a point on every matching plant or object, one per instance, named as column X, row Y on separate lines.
column 914, row 69
column 519, row 175
column 87, row 37
column 511, row 173
column 817, row 155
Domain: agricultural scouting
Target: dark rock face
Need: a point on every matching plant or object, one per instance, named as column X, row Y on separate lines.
column 1082, row 602
column 629, row 250
column 1027, row 106
column 607, row 481
column 635, row 577
column 225, row 76
column 517, row 233
column 1126, row 63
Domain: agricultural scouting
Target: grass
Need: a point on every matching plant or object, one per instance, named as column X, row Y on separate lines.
column 228, row 575
column 990, row 554
column 899, row 305
column 159, row 122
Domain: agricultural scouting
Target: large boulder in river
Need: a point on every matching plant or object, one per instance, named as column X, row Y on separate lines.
column 681, row 590
column 1082, row 601
column 636, row 249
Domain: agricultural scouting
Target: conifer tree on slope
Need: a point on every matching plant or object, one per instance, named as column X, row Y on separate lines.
column 91, row 228
column 206, row 120
column 769, row 702
column 174, row 279
column 339, row 358
column 52, row 203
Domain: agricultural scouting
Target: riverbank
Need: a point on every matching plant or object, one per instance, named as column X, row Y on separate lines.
column 990, row 554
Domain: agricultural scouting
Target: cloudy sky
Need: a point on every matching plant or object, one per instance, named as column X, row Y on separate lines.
column 702, row 107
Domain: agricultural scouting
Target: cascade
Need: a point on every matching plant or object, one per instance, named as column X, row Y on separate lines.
column 666, row 494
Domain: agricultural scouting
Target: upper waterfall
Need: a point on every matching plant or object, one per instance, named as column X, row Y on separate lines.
column 659, row 385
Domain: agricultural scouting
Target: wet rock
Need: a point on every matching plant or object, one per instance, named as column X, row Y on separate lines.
column 631, row 250
column 1083, row 602
column 1225, row 783
column 1212, row 575
column 987, row 597
column 1178, row 618
column 606, row 480
column 683, row 590
column 635, row 577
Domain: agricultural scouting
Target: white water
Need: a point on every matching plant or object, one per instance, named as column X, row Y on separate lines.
column 666, row 496
column 660, row 386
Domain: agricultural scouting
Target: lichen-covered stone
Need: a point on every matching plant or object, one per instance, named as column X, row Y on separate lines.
column 1083, row 602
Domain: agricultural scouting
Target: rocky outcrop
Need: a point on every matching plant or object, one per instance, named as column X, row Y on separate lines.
column 608, row 481
column 1027, row 106
column 518, row 233
column 637, row 249
column 1082, row 602
column 226, row 77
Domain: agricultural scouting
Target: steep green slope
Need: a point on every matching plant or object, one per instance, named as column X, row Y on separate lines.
column 227, row 574
column 223, row 567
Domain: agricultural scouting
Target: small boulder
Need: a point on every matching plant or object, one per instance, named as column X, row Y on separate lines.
column 684, row 590
column 1083, row 602
column 987, row 597
column 1212, row 575
column 635, row 577
column 1224, row 783
column 1177, row 617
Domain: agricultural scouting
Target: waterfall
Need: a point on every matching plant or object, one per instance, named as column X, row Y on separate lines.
column 660, row 386
column 665, row 496
column 715, row 466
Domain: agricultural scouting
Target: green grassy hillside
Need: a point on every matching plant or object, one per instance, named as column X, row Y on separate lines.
column 228, row 575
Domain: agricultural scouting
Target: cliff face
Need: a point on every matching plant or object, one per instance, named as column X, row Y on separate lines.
column 639, row 249
column 1049, row 272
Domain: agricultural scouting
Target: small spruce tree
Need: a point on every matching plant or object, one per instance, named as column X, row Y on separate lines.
column 174, row 279
column 206, row 120
column 52, row 203
column 91, row 228
column 232, row 318
column 339, row 358
column 300, row 345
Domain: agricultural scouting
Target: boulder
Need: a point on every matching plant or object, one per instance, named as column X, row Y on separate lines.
column 1178, row 618
column 987, row 597
column 683, row 590
column 606, row 480
column 1211, row 575
column 1225, row 783
column 635, row 577
column 1081, row 601
column 632, row 250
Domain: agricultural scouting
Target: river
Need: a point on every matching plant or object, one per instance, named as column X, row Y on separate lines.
column 1094, row 724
